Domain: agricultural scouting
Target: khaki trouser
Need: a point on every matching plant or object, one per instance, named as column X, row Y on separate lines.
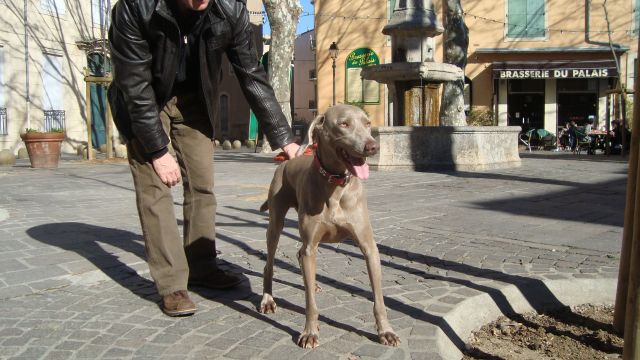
column 171, row 258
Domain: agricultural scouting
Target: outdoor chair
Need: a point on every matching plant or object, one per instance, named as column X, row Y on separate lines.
column 538, row 139
column 584, row 142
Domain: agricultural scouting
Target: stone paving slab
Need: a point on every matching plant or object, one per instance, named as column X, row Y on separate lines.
column 457, row 249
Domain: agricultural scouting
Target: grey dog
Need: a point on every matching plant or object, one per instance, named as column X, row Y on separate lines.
column 331, row 203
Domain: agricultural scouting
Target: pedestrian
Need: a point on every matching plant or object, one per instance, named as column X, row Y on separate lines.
column 166, row 57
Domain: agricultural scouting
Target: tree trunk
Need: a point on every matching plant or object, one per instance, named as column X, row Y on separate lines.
column 456, row 44
column 283, row 18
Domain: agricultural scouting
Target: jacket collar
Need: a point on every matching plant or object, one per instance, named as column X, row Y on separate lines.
column 162, row 8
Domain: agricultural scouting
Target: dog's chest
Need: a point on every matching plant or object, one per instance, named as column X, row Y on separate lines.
column 340, row 218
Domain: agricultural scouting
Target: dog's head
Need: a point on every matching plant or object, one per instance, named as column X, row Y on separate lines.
column 343, row 135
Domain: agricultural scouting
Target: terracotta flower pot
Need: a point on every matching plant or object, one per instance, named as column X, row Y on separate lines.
column 43, row 148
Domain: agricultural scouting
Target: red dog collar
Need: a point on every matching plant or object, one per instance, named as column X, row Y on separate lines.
column 341, row 180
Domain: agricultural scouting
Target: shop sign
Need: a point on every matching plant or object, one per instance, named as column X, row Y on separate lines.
column 556, row 73
column 362, row 57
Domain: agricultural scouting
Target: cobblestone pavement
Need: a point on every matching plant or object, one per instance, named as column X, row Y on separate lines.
column 73, row 282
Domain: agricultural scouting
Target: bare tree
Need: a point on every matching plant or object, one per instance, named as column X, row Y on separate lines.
column 283, row 18
column 456, row 44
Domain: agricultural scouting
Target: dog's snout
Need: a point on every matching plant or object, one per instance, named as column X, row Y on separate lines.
column 371, row 147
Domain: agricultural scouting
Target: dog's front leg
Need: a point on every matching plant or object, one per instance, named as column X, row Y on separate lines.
column 369, row 249
column 307, row 258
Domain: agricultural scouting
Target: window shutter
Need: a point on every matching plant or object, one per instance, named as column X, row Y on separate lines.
column 525, row 19
column 636, row 17
column 535, row 18
column 52, row 91
column 517, row 18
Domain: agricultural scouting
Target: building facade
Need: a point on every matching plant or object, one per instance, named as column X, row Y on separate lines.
column 45, row 48
column 304, row 78
column 532, row 63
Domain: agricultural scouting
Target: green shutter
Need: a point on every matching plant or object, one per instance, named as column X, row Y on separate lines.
column 636, row 17
column 392, row 5
column 525, row 19
column 535, row 18
column 517, row 18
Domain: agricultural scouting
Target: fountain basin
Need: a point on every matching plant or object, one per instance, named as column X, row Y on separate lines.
column 429, row 72
column 461, row 148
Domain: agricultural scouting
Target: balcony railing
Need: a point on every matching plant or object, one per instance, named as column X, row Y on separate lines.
column 3, row 122
column 53, row 119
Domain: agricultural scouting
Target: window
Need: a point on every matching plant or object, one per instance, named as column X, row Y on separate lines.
column 53, row 6
column 99, row 12
column 312, row 104
column 525, row 19
column 52, row 92
column 224, row 113
column 312, row 75
column 361, row 91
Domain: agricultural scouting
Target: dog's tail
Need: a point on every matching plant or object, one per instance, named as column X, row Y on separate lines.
column 264, row 207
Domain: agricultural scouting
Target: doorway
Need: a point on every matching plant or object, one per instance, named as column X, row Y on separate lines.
column 525, row 104
column 98, row 67
column 576, row 107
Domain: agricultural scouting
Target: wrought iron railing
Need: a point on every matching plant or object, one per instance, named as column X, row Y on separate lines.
column 3, row 122
column 53, row 119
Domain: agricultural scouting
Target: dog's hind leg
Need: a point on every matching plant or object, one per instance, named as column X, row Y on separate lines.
column 276, row 224
column 278, row 205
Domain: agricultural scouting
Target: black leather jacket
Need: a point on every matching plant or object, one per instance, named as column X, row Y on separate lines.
column 144, row 38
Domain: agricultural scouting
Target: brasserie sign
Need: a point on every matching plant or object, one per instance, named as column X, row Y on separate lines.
column 557, row 73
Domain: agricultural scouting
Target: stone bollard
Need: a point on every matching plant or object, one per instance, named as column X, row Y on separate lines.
column 103, row 148
column 121, row 151
column 216, row 142
column 251, row 144
column 84, row 154
column 226, row 145
column 7, row 158
column 237, row 144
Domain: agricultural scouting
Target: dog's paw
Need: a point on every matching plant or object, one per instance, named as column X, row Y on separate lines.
column 308, row 340
column 389, row 338
column 267, row 305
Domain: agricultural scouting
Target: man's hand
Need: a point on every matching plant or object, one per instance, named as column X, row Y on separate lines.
column 291, row 150
column 167, row 169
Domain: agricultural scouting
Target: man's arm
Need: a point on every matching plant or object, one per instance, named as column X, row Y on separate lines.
column 255, row 84
column 131, row 59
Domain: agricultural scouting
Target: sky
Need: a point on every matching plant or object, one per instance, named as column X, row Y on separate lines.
column 306, row 19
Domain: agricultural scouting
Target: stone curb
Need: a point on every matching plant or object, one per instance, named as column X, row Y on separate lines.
column 470, row 314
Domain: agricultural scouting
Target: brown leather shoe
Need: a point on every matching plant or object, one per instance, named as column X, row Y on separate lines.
column 178, row 304
column 217, row 279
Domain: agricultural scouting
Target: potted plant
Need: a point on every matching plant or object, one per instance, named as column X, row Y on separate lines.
column 43, row 147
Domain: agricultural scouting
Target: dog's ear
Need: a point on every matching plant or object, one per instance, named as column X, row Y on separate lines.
column 310, row 138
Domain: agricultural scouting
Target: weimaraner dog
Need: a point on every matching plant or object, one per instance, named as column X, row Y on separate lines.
column 332, row 205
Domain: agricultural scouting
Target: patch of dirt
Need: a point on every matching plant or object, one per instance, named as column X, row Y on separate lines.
column 577, row 333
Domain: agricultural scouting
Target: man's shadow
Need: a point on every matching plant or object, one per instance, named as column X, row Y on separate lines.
column 93, row 243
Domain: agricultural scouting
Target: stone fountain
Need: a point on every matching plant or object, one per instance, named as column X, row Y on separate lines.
column 413, row 78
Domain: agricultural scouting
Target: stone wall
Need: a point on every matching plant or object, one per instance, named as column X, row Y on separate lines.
column 464, row 148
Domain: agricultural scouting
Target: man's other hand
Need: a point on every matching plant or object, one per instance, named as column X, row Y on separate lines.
column 167, row 169
column 291, row 150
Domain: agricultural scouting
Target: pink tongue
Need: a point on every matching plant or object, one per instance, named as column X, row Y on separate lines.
column 361, row 171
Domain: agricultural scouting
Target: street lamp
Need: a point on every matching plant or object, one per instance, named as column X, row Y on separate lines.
column 333, row 52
